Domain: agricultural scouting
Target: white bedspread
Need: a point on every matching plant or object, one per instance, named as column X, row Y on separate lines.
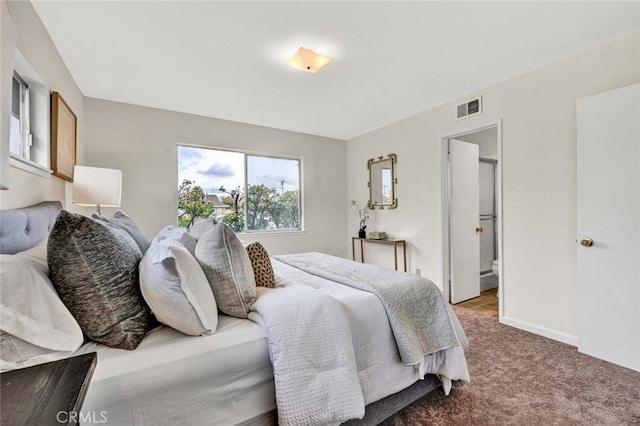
column 173, row 379
column 377, row 361
column 227, row 378
column 311, row 350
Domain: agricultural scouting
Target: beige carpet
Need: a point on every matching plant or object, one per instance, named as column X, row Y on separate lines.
column 518, row 378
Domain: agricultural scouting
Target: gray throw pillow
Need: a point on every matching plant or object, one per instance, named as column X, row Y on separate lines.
column 189, row 242
column 227, row 266
column 94, row 269
column 125, row 222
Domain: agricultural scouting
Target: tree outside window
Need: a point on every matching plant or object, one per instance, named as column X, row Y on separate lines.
column 264, row 198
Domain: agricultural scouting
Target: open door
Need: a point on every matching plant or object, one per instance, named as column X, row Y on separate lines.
column 609, row 226
column 464, row 210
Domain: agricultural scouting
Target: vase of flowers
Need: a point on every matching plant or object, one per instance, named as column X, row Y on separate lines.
column 363, row 213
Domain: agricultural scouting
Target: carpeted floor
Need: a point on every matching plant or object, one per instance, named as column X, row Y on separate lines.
column 519, row 378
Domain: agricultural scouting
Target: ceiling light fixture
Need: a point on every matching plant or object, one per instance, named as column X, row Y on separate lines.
column 308, row 61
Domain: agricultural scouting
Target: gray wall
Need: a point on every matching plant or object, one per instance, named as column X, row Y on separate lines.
column 142, row 142
column 37, row 47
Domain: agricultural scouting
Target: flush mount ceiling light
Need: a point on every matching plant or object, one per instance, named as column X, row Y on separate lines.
column 308, row 61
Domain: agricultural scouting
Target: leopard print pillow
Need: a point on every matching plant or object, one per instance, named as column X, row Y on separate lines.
column 261, row 264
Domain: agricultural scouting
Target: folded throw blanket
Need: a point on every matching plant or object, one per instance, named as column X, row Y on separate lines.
column 416, row 309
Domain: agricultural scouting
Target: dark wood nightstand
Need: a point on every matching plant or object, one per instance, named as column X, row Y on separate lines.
column 46, row 394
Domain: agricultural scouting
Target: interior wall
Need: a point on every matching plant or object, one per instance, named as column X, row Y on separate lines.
column 538, row 112
column 142, row 142
column 8, row 36
column 36, row 46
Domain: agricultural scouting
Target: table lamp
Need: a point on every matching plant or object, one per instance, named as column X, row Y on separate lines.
column 94, row 186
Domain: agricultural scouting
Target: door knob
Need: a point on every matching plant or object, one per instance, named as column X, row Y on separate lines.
column 587, row 242
column 479, row 230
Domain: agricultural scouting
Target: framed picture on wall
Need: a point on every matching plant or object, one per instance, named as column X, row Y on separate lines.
column 64, row 125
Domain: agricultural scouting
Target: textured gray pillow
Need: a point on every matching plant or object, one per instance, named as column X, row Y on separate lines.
column 125, row 222
column 227, row 266
column 94, row 269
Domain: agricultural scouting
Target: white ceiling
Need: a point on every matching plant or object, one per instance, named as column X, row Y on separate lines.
column 392, row 60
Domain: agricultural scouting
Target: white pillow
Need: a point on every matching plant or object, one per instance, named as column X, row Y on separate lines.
column 178, row 234
column 36, row 326
column 176, row 289
column 201, row 226
column 38, row 254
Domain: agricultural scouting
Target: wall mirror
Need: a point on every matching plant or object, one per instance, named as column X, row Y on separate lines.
column 382, row 182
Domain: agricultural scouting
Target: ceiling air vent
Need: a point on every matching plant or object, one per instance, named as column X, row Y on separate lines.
column 469, row 108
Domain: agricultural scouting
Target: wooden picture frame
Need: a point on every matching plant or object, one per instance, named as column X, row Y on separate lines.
column 64, row 132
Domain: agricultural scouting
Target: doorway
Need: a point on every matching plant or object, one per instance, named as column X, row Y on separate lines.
column 472, row 219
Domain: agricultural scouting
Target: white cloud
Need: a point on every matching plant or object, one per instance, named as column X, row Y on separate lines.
column 211, row 169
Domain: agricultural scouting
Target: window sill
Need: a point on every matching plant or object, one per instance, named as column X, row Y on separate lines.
column 245, row 235
column 29, row 166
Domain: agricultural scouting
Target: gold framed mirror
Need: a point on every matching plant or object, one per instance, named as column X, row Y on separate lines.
column 382, row 182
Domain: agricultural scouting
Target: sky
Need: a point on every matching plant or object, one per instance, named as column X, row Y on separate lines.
column 211, row 169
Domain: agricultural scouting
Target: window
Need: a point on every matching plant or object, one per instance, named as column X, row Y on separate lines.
column 247, row 192
column 30, row 117
column 20, row 129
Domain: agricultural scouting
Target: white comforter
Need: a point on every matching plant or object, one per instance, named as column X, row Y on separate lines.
column 347, row 359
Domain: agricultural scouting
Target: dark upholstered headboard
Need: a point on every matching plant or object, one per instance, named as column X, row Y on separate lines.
column 21, row 229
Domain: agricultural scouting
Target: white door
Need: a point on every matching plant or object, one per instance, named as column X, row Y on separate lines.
column 464, row 184
column 609, row 214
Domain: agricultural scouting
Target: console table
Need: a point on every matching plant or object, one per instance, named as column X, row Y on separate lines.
column 395, row 244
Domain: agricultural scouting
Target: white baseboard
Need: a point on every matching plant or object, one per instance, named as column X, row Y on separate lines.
column 541, row 331
column 488, row 282
column 486, row 286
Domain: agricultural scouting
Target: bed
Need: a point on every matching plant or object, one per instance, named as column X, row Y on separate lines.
column 227, row 377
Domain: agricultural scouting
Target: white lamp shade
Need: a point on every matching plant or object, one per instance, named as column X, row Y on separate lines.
column 94, row 186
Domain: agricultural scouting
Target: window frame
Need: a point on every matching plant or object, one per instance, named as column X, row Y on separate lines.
column 24, row 117
column 247, row 153
column 39, row 162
